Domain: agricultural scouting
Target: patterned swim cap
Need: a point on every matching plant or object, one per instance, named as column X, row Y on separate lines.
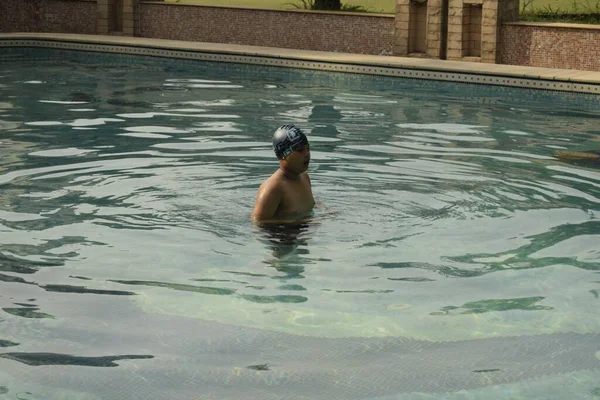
column 287, row 139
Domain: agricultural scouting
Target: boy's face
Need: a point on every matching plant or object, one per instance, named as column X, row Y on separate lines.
column 298, row 160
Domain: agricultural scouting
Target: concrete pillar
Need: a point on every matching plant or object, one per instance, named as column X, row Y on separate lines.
column 117, row 17
column 128, row 17
column 474, row 28
column 419, row 28
column 401, row 27
column 435, row 28
column 452, row 29
column 103, row 13
column 136, row 18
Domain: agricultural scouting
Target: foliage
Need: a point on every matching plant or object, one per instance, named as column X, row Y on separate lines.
column 311, row 5
column 350, row 7
column 564, row 18
column 580, row 11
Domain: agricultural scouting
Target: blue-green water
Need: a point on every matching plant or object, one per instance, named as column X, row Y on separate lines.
column 444, row 214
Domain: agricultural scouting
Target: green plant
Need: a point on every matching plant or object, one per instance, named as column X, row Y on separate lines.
column 589, row 7
column 526, row 5
column 311, row 5
column 548, row 10
column 578, row 11
column 352, row 8
column 549, row 14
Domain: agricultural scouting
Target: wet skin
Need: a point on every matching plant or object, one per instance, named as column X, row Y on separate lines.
column 288, row 192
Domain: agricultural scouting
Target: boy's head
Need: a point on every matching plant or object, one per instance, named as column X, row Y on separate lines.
column 291, row 148
column 287, row 139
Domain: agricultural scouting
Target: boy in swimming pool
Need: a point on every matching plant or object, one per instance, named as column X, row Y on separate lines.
column 286, row 196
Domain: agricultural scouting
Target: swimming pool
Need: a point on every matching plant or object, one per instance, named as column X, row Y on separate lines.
column 451, row 240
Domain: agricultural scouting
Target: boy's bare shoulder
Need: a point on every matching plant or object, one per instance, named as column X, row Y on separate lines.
column 272, row 183
column 268, row 198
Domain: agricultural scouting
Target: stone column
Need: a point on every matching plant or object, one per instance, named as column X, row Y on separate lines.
column 434, row 28
column 117, row 17
column 455, row 23
column 136, row 18
column 401, row 27
column 474, row 28
column 128, row 18
column 103, row 13
column 418, row 28
column 490, row 31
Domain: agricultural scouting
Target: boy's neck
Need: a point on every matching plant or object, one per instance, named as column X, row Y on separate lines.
column 287, row 174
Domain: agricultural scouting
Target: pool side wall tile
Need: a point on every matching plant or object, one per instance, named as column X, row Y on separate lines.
column 428, row 70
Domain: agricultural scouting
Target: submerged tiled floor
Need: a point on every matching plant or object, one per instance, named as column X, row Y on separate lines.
column 416, row 68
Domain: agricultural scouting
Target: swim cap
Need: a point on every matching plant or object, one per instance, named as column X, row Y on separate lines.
column 287, row 139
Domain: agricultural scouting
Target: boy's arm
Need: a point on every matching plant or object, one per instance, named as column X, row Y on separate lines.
column 267, row 201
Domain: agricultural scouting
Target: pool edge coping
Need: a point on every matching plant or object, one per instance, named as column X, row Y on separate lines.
column 417, row 68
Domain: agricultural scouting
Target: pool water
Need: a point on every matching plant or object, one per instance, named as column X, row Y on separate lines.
column 444, row 214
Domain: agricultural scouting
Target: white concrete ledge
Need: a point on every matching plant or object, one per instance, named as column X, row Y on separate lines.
column 553, row 25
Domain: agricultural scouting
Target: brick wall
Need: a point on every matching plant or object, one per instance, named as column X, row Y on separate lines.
column 568, row 46
column 59, row 16
column 339, row 32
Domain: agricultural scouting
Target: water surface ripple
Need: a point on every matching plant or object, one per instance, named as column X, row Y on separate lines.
column 125, row 191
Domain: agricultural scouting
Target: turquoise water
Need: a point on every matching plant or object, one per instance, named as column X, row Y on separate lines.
column 444, row 215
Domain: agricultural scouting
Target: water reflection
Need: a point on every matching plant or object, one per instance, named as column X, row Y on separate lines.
column 545, row 249
column 27, row 312
column 84, row 290
column 66, row 359
column 288, row 244
column 484, row 306
column 23, row 266
column 431, row 185
column 180, row 287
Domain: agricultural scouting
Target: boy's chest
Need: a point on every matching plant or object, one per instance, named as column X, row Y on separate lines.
column 297, row 197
